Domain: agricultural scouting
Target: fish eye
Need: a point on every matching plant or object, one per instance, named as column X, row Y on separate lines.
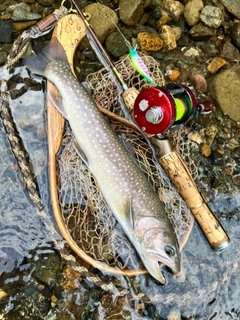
column 170, row 250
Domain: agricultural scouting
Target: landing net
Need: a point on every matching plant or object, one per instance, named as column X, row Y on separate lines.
column 86, row 215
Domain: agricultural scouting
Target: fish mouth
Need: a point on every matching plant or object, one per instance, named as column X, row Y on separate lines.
column 164, row 258
column 157, row 273
column 154, row 261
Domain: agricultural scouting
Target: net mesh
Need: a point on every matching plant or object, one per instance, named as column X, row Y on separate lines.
column 85, row 213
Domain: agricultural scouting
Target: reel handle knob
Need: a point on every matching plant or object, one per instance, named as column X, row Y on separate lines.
column 205, row 107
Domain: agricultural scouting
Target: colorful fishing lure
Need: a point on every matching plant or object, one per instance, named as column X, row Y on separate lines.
column 139, row 65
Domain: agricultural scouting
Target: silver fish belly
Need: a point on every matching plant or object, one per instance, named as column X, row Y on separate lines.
column 124, row 186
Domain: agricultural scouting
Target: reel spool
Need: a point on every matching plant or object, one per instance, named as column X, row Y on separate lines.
column 158, row 109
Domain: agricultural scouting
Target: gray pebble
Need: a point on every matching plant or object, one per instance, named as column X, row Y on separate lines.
column 116, row 45
column 232, row 6
column 200, row 31
column 235, row 34
column 20, row 14
column 211, row 16
column 130, row 11
column 191, row 52
column 100, row 21
column 6, row 31
column 229, row 52
column 18, row 5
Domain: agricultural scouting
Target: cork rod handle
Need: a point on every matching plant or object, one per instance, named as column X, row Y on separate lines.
column 212, row 229
column 183, row 181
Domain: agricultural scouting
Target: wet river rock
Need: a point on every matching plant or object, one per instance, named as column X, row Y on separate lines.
column 6, row 31
column 116, row 44
column 232, row 6
column 192, row 12
column 235, row 34
column 130, row 11
column 229, row 52
column 20, row 14
column 224, row 89
column 211, row 16
column 100, row 21
column 202, row 32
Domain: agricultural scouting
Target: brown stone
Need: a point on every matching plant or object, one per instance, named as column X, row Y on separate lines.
column 199, row 82
column 72, row 278
column 20, row 26
column 205, row 150
column 215, row 65
column 173, row 75
column 163, row 20
column 100, row 21
column 148, row 42
column 3, row 294
column 169, row 38
column 176, row 7
column 228, row 169
column 195, row 137
column 211, row 132
column 6, row 16
column 225, row 93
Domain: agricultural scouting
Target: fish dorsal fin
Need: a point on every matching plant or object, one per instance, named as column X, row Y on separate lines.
column 129, row 211
column 80, row 152
column 56, row 99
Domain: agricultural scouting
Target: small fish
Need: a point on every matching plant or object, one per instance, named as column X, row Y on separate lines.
column 124, row 186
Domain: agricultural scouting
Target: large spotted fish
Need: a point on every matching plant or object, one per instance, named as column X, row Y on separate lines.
column 124, row 186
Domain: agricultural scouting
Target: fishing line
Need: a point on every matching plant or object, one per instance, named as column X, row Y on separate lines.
column 108, row 64
column 137, row 62
column 98, row 48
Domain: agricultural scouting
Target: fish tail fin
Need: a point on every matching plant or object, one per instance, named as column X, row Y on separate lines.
column 37, row 62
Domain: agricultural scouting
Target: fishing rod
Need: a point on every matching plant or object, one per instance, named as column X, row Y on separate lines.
column 128, row 94
column 104, row 57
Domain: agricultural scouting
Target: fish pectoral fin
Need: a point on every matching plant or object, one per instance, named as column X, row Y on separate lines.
column 56, row 99
column 80, row 153
column 87, row 87
column 129, row 211
column 127, row 144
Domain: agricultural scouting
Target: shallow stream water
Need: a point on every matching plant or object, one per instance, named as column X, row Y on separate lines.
column 35, row 283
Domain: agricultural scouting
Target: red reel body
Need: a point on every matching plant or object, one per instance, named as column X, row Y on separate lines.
column 158, row 109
